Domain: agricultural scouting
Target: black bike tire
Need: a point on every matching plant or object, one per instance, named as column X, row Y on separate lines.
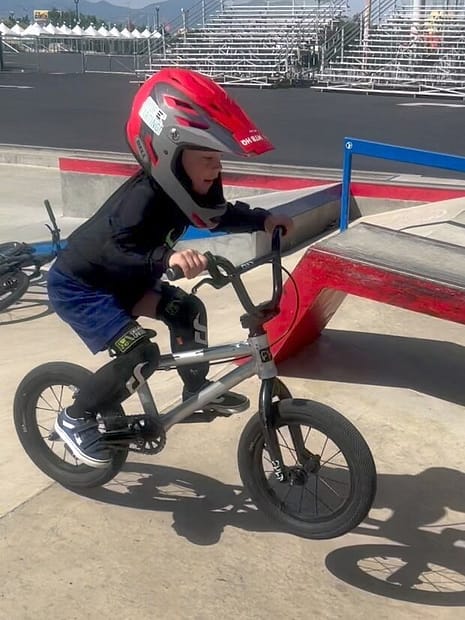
column 22, row 285
column 27, row 393
column 345, row 436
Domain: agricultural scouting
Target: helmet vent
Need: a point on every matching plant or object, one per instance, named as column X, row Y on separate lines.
column 187, row 122
column 173, row 102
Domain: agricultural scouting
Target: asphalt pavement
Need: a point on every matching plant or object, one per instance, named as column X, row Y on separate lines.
column 89, row 111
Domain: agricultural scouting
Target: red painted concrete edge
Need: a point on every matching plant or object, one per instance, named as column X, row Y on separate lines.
column 367, row 190
column 85, row 166
column 90, row 166
column 404, row 192
column 323, row 279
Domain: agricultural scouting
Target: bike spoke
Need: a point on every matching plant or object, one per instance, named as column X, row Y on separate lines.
column 331, row 458
column 287, row 495
column 323, row 481
column 56, row 397
column 267, row 459
column 306, row 436
column 333, row 480
column 324, row 446
column 318, row 499
column 46, row 430
column 46, row 409
column 285, row 442
column 46, row 402
column 291, row 452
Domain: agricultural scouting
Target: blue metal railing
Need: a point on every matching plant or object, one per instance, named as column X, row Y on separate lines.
column 353, row 146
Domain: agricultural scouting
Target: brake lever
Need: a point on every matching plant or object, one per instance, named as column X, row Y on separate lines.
column 201, row 283
column 217, row 279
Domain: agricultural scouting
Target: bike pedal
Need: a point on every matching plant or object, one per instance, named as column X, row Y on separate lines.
column 204, row 416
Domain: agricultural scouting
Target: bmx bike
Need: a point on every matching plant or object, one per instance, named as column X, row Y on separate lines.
column 303, row 464
column 17, row 258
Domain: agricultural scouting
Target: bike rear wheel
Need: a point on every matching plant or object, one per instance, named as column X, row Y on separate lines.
column 12, row 287
column 40, row 396
column 330, row 477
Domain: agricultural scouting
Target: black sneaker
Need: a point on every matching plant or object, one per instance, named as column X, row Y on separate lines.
column 84, row 439
column 226, row 404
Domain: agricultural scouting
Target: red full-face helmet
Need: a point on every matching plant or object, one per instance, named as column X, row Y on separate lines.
column 177, row 109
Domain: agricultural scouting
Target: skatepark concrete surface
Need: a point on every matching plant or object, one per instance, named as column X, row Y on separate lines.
column 174, row 536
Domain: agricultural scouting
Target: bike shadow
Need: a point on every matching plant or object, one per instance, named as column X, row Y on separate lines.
column 427, row 366
column 426, row 565
column 201, row 506
column 34, row 304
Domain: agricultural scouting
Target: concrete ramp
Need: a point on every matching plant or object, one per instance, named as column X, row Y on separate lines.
column 390, row 266
column 312, row 209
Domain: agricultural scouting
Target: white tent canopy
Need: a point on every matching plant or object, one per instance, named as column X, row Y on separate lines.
column 64, row 30
column 17, row 30
column 114, row 32
column 4, row 29
column 50, row 28
column 103, row 32
column 34, row 30
column 77, row 31
column 90, row 31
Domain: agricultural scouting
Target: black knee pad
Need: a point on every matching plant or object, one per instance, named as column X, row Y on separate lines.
column 135, row 359
column 136, row 356
column 185, row 316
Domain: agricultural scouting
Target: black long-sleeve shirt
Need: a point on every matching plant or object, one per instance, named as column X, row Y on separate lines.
column 125, row 246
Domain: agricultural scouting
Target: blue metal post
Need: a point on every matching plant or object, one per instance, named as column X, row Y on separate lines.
column 345, row 194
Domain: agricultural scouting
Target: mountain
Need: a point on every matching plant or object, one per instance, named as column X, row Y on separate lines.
column 169, row 10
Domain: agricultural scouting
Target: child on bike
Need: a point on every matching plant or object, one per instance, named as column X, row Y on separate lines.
column 110, row 272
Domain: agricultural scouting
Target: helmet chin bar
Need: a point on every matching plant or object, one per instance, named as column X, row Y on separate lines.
column 199, row 216
column 199, row 223
column 166, row 174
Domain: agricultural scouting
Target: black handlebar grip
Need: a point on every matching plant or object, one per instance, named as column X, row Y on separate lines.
column 174, row 273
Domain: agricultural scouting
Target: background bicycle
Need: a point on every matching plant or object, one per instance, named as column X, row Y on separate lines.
column 17, row 259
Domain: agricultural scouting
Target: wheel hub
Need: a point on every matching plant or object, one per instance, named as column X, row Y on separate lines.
column 313, row 464
column 297, row 476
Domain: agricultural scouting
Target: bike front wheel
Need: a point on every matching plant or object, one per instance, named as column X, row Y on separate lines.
column 40, row 396
column 12, row 287
column 329, row 479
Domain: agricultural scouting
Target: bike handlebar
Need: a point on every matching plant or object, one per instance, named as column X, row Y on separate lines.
column 223, row 272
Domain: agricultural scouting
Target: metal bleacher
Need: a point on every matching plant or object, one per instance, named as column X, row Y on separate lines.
column 403, row 46
column 266, row 43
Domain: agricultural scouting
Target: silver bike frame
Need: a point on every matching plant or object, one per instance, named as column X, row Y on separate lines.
column 261, row 364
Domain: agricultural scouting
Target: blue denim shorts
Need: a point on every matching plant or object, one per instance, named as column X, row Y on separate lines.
column 94, row 315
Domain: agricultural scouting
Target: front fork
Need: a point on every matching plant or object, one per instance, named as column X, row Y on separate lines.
column 271, row 392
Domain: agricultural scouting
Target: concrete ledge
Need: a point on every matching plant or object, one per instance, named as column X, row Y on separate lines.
column 313, row 211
